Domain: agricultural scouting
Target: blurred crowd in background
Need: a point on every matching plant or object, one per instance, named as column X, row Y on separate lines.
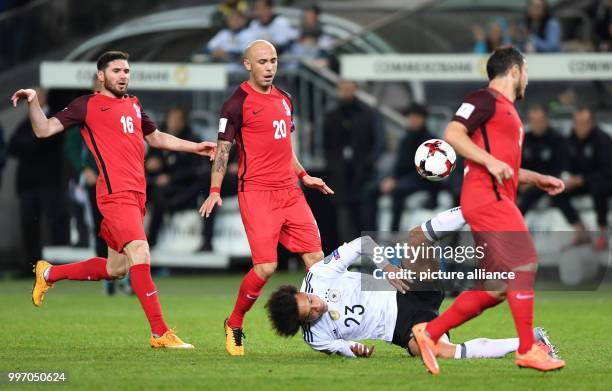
column 239, row 22
column 239, row 25
column 59, row 182
column 56, row 176
column 541, row 32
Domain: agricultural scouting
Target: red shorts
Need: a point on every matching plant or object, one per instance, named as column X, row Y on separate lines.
column 499, row 227
column 274, row 216
column 123, row 218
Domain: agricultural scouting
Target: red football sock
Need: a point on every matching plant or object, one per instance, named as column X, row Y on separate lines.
column 93, row 269
column 250, row 289
column 143, row 286
column 521, row 305
column 465, row 307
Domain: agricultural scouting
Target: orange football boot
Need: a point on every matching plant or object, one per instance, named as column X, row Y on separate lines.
column 538, row 358
column 428, row 348
column 169, row 340
column 234, row 343
column 41, row 286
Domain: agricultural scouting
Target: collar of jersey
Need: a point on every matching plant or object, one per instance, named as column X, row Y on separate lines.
column 98, row 93
column 498, row 93
column 246, row 85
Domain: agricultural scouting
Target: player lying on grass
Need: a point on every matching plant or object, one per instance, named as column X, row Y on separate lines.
column 333, row 310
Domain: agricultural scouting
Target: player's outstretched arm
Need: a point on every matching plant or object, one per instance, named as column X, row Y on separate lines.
column 42, row 126
column 168, row 142
column 456, row 134
column 343, row 347
column 219, row 169
column 547, row 183
column 309, row 181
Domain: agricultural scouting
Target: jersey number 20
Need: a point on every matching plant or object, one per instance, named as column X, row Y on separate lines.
column 280, row 129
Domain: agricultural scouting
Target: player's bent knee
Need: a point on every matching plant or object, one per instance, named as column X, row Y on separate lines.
column 499, row 295
column 138, row 252
column 117, row 273
column 117, row 267
column 265, row 270
column 122, row 269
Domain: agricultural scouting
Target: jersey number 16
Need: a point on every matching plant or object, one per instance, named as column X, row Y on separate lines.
column 128, row 124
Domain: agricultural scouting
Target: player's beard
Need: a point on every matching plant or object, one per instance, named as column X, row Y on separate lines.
column 519, row 91
column 113, row 90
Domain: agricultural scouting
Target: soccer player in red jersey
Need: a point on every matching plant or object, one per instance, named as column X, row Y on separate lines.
column 488, row 132
column 259, row 117
column 114, row 126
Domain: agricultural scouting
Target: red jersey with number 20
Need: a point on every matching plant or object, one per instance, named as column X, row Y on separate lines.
column 114, row 130
column 262, row 125
column 494, row 125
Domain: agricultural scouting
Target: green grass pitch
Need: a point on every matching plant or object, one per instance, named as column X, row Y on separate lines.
column 102, row 343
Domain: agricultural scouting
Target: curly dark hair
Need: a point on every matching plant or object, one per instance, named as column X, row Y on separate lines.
column 283, row 311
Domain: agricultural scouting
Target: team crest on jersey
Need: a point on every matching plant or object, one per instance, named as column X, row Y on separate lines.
column 332, row 295
column 137, row 109
column 335, row 315
column 287, row 108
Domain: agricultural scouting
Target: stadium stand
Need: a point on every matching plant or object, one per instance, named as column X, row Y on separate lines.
column 387, row 27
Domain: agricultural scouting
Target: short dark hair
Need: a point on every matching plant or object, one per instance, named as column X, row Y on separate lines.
column 177, row 107
column 314, row 8
column 181, row 109
column 269, row 3
column 502, row 60
column 416, row 108
column 108, row 57
column 586, row 108
column 236, row 13
column 539, row 107
column 283, row 311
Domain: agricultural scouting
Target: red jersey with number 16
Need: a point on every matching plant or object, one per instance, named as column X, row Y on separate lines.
column 114, row 130
column 262, row 125
column 494, row 125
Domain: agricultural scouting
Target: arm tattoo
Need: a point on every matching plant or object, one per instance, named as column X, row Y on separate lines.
column 220, row 163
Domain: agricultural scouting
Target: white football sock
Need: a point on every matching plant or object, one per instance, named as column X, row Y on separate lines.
column 443, row 224
column 486, row 348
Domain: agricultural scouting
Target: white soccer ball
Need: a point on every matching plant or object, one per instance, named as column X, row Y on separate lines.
column 435, row 159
